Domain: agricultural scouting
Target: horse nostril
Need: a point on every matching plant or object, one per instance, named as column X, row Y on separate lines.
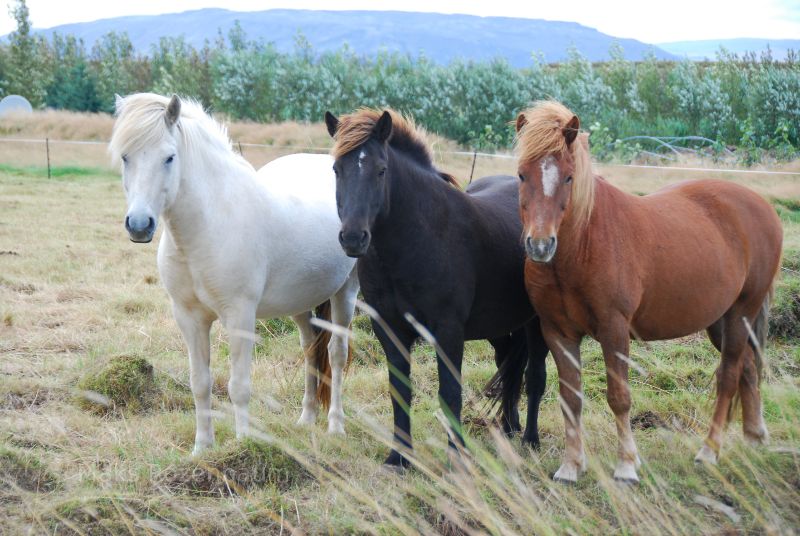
column 128, row 223
column 551, row 242
column 529, row 242
column 341, row 237
column 364, row 236
column 151, row 223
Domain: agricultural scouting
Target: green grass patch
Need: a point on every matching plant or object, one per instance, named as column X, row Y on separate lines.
column 788, row 209
column 56, row 172
column 130, row 384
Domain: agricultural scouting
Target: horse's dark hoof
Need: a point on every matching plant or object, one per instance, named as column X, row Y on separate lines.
column 627, row 481
column 396, row 461
column 532, row 442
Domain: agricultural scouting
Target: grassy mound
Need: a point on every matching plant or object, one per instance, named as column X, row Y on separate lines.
column 22, row 470
column 130, row 384
column 234, row 469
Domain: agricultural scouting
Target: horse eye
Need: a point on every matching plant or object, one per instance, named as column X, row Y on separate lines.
column 569, row 180
column 170, row 159
column 382, row 172
column 521, row 178
column 125, row 158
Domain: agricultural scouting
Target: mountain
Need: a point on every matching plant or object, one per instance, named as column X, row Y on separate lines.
column 442, row 38
column 700, row 50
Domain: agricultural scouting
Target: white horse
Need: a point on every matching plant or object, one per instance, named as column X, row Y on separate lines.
column 237, row 245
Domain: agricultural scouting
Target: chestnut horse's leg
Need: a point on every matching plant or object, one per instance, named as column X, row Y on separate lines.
column 616, row 351
column 567, row 355
column 733, row 344
column 755, row 431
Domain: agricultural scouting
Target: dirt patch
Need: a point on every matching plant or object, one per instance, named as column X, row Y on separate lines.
column 647, row 420
column 130, row 384
column 25, row 400
column 16, row 286
column 22, row 470
column 235, row 469
column 784, row 320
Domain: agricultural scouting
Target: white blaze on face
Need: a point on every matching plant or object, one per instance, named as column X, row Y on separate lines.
column 361, row 156
column 549, row 176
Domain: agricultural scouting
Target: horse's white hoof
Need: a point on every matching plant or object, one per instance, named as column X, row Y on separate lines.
column 567, row 473
column 761, row 437
column 336, row 427
column 626, row 472
column 706, row 455
column 199, row 449
column 307, row 418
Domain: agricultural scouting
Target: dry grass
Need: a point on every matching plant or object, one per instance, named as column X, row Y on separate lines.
column 74, row 293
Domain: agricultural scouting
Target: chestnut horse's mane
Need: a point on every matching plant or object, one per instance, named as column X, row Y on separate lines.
column 356, row 128
column 543, row 134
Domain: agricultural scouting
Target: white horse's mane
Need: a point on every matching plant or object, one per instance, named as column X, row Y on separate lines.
column 141, row 123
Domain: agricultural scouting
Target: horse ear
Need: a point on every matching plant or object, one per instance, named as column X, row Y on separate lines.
column 173, row 111
column 118, row 104
column 332, row 122
column 571, row 130
column 521, row 121
column 383, row 128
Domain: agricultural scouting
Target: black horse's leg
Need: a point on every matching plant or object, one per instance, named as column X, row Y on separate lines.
column 451, row 343
column 535, row 379
column 509, row 384
column 400, row 391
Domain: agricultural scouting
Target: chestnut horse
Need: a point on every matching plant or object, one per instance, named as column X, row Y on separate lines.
column 695, row 255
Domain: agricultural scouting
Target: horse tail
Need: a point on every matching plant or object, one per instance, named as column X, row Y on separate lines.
column 757, row 339
column 320, row 358
column 505, row 387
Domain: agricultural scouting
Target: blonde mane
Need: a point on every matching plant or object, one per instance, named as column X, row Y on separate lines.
column 141, row 123
column 542, row 134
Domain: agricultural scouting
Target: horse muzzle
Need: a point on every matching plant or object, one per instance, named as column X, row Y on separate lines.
column 140, row 228
column 355, row 243
column 541, row 249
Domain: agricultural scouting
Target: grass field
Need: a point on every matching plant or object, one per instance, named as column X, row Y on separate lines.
column 82, row 309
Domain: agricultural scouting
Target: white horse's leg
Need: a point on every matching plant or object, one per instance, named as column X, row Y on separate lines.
column 307, row 335
column 343, row 305
column 195, row 326
column 241, row 335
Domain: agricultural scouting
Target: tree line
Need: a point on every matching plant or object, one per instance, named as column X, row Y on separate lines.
column 746, row 101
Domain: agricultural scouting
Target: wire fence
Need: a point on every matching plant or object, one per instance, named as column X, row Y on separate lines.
column 56, row 153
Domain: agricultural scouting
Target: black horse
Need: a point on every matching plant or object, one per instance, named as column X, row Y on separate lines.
column 451, row 259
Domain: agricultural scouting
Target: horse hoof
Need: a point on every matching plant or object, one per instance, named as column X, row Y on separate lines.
column 625, row 473
column 199, row 449
column 336, row 429
column 756, row 439
column 532, row 442
column 395, row 459
column 706, row 455
column 307, row 418
column 566, row 474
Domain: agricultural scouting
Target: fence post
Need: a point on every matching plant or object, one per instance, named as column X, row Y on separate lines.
column 474, row 158
column 47, row 146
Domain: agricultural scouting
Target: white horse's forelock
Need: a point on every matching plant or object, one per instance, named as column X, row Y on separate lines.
column 141, row 123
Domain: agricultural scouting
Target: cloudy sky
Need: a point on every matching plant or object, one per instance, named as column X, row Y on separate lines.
column 651, row 22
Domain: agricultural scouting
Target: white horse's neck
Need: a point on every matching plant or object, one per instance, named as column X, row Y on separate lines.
column 214, row 183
